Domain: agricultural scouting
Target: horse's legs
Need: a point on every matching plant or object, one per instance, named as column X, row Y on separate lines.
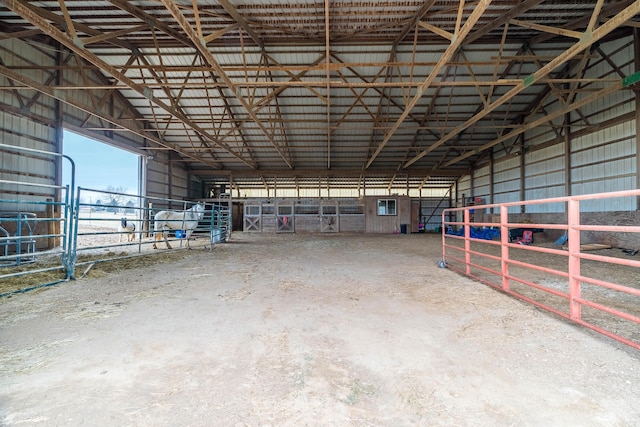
column 165, row 234
column 156, row 237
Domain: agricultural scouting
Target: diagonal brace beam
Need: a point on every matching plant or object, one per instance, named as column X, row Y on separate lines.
column 588, row 38
column 76, row 46
column 201, row 45
column 456, row 42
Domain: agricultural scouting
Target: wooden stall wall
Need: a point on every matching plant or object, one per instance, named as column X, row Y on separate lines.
column 307, row 215
column 387, row 223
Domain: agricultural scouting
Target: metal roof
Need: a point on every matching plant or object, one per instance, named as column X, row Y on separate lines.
column 424, row 90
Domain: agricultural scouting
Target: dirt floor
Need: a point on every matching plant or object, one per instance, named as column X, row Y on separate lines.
column 294, row 330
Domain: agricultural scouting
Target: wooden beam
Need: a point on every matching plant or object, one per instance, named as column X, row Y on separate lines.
column 585, row 41
column 231, row 10
column 113, row 34
column 335, row 173
column 31, row 14
column 201, row 45
column 220, row 33
column 71, row 29
column 546, row 29
column 444, row 34
column 450, row 51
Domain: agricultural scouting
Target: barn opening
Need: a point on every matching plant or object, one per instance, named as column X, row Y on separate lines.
column 101, row 166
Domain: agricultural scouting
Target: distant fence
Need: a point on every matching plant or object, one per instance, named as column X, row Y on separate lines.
column 99, row 213
column 48, row 233
column 567, row 277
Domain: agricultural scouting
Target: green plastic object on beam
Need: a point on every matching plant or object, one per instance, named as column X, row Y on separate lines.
column 528, row 81
column 629, row 80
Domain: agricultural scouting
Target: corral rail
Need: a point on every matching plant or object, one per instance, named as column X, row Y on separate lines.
column 598, row 291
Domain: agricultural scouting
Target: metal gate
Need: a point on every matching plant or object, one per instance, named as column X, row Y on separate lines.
column 35, row 226
column 221, row 220
column 566, row 289
column 329, row 219
column 285, row 219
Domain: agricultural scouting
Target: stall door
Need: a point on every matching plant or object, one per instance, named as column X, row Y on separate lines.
column 329, row 220
column 284, row 219
column 252, row 218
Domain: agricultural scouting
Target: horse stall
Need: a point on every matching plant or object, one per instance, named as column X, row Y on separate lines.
column 303, row 215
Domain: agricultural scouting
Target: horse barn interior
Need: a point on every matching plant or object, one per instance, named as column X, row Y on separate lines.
column 399, row 213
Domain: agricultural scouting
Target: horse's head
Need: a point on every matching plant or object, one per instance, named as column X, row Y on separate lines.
column 198, row 209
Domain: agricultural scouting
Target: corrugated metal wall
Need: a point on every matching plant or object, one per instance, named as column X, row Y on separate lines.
column 545, row 177
column 602, row 147
column 482, row 183
column 26, row 121
column 463, row 190
column 605, row 159
column 166, row 178
column 28, row 118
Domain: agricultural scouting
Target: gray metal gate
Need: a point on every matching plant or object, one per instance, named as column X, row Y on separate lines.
column 221, row 220
column 35, row 224
column 329, row 219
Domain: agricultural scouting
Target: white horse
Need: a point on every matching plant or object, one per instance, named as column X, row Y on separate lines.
column 176, row 220
column 128, row 228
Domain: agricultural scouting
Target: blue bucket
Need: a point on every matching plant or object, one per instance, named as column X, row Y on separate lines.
column 180, row 234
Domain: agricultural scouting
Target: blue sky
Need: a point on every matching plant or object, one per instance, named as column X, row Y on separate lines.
column 98, row 165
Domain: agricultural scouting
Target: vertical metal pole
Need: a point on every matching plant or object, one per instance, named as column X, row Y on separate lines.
column 504, row 239
column 522, row 174
column 492, row 184
column 573, row 224
column 567, row 154
column 18, row 234
column 71, row 236
column 467, row 242
column 170, row 179
column 636, row 89
column 442, row 235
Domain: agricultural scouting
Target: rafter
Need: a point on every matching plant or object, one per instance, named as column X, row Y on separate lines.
column 451, row 49
column 30, row 14
column 269, row 87
column 585, row 41
column 204, row 51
